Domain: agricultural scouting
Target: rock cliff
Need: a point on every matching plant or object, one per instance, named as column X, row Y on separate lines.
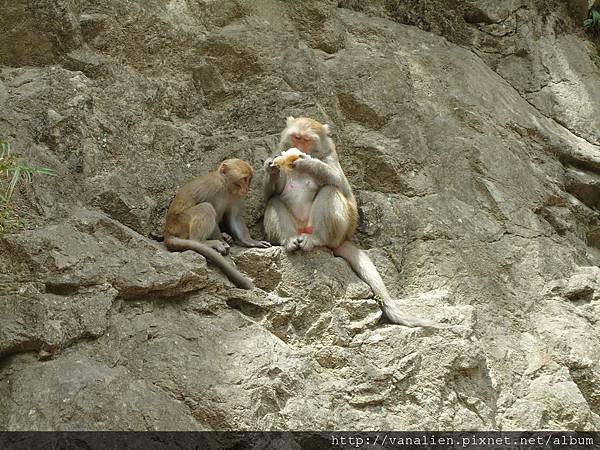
column 471, row 135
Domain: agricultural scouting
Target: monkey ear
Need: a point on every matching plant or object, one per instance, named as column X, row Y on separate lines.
column 223, row 168
column 326, row 128
column 289, row 120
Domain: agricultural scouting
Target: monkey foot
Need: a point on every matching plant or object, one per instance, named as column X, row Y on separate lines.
column 295, row 243
column 304, row 242
column 226, row 238
column 307, row 242
column 261, row 244
column 219, row 246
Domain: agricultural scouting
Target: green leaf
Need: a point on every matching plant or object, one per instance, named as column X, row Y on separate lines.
column 16, row 177
column 45, row 171
column 4, row 148
column 12, row 172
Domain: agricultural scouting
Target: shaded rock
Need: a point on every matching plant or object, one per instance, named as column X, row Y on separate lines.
column 62, row 284
column 77, row 389
column 40, row 34
column 582, row 287
column 319, row 25
column 585, row 186
column 92, row 24
column 49, row 321
column 91, row 250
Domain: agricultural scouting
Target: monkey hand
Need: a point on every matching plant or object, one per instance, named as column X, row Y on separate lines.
column 288, row 158
column 271, row 167
column 255, row 243
column 300, row 162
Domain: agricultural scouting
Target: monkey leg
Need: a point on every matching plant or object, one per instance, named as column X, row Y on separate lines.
column 280, row 225
column 218, row 235
column 202, row 220
column 330, row 219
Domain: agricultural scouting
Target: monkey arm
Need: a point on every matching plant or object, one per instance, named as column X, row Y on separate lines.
column 239, row 230
column 274, row 181
column 327, row 172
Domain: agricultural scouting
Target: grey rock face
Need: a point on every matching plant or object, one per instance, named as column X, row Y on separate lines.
column 475, row 157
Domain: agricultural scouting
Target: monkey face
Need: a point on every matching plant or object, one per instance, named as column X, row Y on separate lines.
column 242, row 186
column 238, row 175
column 303, row 142
column 304, row 134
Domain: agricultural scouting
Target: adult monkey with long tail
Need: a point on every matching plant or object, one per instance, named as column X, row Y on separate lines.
column 311, row 204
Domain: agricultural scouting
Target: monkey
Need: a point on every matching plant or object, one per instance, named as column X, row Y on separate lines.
column 204, row 203
column 313, row 205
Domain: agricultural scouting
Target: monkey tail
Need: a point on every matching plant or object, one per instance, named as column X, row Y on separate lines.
column 234, row 275
column 366, row 270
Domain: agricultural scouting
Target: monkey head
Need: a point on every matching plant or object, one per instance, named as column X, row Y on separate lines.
column 307, row 135
column 237, row 175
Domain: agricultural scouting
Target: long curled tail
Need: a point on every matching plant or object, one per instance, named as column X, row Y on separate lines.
column 366, row 270
column 236, row 277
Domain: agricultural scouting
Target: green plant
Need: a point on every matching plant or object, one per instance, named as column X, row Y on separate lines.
column 13, row 172
column 592, row 23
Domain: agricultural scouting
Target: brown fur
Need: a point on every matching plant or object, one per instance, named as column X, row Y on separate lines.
column 201, row 205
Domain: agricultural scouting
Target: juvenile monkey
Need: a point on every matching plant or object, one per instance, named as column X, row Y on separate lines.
column 313, row 205
column 204, row 203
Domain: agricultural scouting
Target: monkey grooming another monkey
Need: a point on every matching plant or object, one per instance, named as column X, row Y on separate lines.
column 201, row 205
column 312, row 204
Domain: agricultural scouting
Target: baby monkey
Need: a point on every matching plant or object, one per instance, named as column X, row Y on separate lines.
column 202, row 205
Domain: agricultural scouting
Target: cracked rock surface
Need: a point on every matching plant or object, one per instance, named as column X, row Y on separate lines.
column 469, row 133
